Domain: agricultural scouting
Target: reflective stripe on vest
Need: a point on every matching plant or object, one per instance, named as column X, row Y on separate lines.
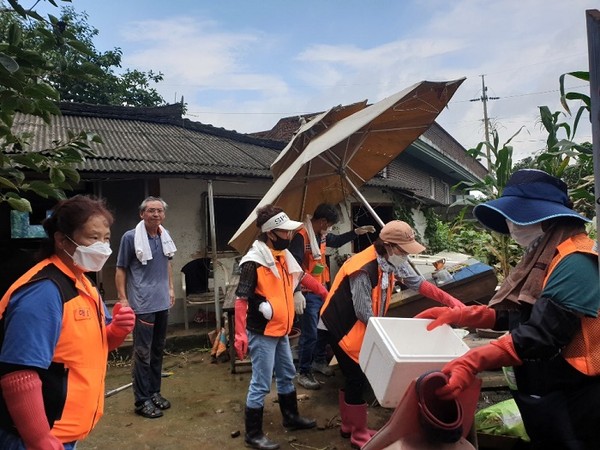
column 82, row 348
column 279, row 292
column 583, row 352
column 309, row 262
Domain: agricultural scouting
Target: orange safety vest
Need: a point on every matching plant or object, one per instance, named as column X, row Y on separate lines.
column 583, row 352
column 350, row 332
column 309, row 262
column 279, row 292
column 82, row 349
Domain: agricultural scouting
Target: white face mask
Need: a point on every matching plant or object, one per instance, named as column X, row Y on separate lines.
column 524, row 235
column 91, row 258
column 397, row 260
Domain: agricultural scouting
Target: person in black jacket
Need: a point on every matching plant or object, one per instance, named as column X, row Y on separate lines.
column 308, row 247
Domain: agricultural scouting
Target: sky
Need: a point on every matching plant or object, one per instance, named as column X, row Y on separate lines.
column 242, row 65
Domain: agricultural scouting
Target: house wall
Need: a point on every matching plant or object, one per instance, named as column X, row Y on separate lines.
column 188, row 223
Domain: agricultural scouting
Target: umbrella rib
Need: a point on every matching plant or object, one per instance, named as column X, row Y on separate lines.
column 432, row 109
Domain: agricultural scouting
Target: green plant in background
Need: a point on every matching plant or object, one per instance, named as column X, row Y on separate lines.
column 403, row 211
column 46, row 172
column 562, row 157
column 436, row 232
column 502, row 251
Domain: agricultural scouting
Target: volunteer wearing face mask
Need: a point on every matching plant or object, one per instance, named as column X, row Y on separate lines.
column 144, row 280
column 549, row 303
column 264, row 314
column 362, row 289
column 57, row 334
column 308, row 247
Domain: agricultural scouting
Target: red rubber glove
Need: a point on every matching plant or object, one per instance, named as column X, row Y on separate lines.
column 462, row 371
column 22, row 391
column 122, row 324
column 479, row 316
column 311, row 283
column 241, row 337
column 433, row 292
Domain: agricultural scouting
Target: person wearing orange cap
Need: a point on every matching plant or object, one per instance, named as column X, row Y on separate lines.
column 363, row 289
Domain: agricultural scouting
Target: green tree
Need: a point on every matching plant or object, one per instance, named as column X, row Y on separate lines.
column 24, row 88
column 76, row 69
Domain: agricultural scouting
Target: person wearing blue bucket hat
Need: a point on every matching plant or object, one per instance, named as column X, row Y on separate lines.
column 549, row 303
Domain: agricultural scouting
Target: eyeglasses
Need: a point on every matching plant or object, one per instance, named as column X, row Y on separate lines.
column 155, row 210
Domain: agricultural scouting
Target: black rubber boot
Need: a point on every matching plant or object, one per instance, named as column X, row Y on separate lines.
column 255, row 437
column 288, row 404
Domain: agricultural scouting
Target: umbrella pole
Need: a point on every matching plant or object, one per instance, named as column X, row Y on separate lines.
column 365, row 202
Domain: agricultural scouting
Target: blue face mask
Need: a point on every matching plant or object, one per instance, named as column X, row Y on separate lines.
column 397, row 260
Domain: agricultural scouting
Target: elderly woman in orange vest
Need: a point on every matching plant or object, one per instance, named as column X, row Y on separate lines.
column 57, row 334
column 362, row 289
column 264, row 314
column 549, row 303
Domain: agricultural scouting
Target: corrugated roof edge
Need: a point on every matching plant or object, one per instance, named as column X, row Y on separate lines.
column 168, row 114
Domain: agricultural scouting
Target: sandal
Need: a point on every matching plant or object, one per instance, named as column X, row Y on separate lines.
column 148, row 410
column 159, row 401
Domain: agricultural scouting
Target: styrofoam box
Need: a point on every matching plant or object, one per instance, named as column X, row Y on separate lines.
column 396, row 350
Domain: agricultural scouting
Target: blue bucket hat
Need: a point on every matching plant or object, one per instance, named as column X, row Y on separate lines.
column 530, row 196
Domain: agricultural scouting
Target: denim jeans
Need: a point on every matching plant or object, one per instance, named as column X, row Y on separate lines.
column 10, row 441
column 149, row 337
column 311, row 345
column 269, row 354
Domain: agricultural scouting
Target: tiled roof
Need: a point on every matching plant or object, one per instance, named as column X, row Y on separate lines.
column 155, row 140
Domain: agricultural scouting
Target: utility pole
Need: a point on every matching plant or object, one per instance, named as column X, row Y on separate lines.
column 486, row 121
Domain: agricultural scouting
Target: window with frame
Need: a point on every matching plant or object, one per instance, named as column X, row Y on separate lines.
column 230, row 213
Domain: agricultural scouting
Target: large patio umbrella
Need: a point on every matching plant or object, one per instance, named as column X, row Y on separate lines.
column 338, row 161
column 309, row 131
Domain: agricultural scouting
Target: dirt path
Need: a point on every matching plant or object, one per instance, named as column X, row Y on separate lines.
column 208, row 403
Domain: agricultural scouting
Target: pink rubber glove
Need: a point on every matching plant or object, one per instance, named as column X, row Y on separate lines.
column 311, row 283
column 479, row 316
column 122, row 324
column 463, row 370
column 22, row 391
column 433, row 292
column 241, row 337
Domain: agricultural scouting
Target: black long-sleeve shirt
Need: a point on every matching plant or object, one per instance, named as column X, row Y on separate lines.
column 298, row 244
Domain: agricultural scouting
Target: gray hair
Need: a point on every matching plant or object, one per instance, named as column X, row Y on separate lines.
column 147, row 200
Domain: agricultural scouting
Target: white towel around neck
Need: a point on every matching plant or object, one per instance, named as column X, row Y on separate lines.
column 142, row 246
column 315, row 246
column 261, row 254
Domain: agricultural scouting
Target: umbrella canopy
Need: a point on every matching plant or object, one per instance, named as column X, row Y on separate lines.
column 348, row 154
column 310, row 130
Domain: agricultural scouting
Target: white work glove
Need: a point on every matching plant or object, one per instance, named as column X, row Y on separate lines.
column 266, row 309
column 299, row 302
column 364, row 229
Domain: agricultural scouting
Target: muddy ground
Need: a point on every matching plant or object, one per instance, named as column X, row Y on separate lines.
column 208, row 403
column 207, row 407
